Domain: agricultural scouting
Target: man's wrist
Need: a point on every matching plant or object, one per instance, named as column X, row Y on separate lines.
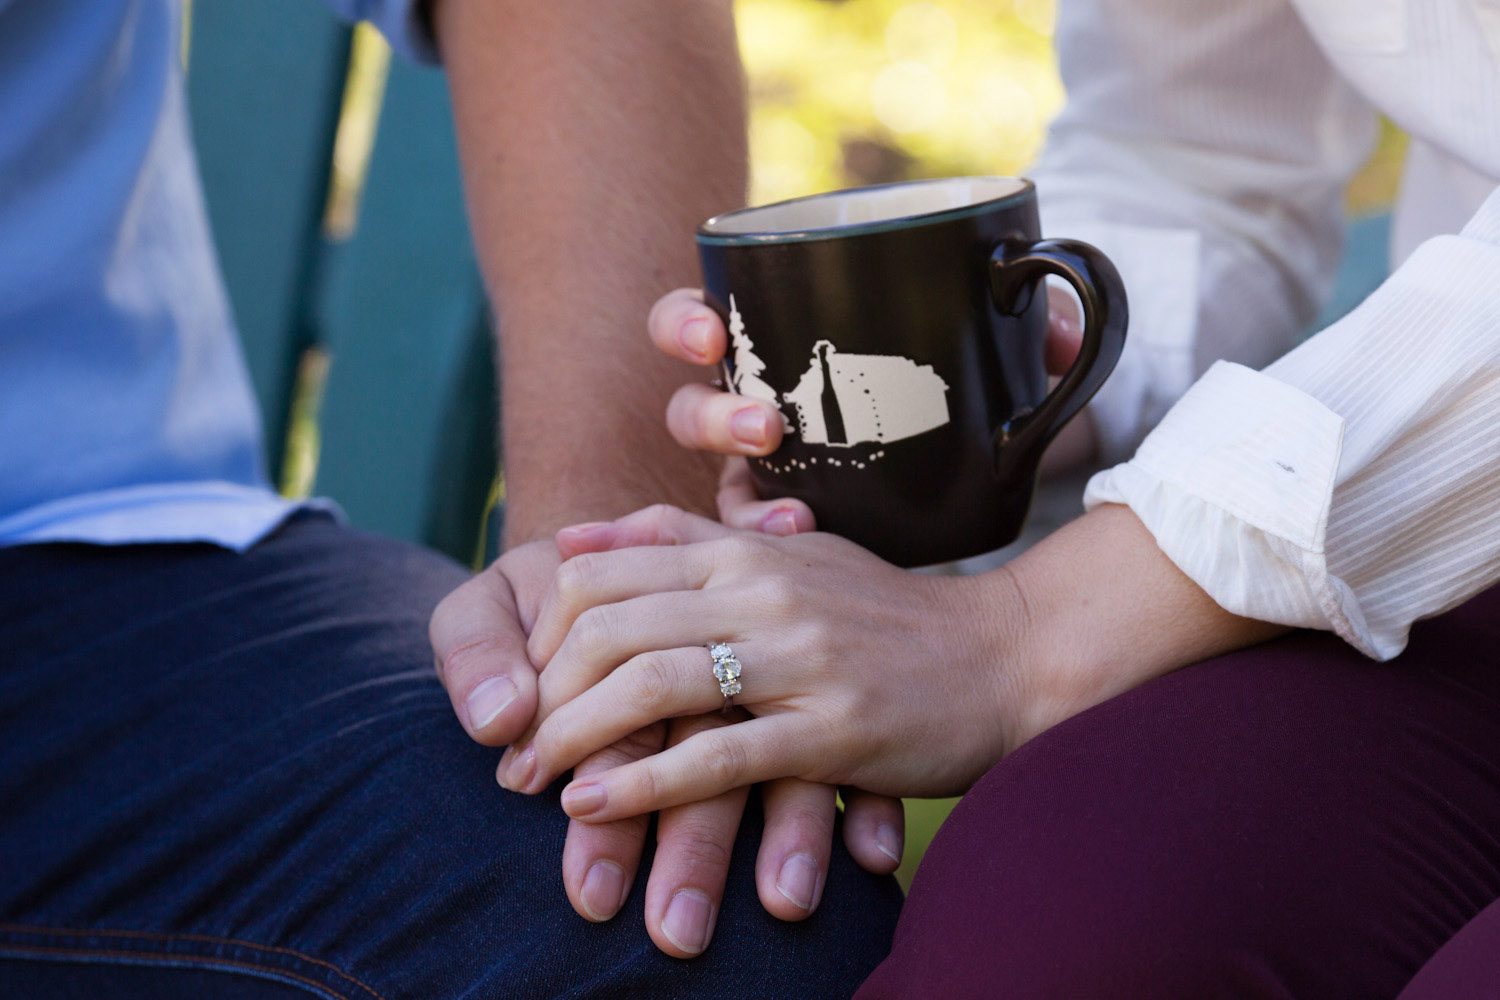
column 686, row 480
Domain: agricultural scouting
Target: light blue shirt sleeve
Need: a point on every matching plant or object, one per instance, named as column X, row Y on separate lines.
column 126, row 412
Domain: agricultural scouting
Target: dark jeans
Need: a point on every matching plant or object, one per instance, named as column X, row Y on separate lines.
column 1290, row 821
column 237, row 776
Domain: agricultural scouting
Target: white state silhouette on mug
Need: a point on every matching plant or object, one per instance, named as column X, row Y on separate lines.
column 873, row 397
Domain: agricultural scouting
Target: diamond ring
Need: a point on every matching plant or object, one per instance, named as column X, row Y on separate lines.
column 726, row 671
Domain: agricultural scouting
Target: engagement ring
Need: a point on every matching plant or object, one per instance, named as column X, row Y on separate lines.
column 726, row 671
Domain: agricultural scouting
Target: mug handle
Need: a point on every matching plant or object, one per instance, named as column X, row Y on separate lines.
column 1016, row 268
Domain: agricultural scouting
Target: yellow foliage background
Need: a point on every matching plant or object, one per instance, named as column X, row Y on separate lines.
column 847, row 92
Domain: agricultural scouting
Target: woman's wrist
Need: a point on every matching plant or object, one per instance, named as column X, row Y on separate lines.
column 1092, row 611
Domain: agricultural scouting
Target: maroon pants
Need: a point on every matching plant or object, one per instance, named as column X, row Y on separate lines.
column 1288, row 821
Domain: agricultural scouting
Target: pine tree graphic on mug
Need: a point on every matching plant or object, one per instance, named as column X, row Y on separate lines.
column 748, row 365
column 846, row 399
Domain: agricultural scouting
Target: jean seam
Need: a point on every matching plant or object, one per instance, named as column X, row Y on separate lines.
column 76, row 949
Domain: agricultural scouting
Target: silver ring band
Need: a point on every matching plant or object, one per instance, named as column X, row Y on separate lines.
column 727, row 671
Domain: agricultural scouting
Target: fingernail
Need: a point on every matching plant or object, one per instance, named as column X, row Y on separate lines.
column 1066, row 324
column 603, row 890
column 687, row 921
column 522, row 769
column 587, row 528
column 693, row 336
column 888, row 841
column 748, row 426
column 798, row 880
column 582, row 800
column 488, row 700
column 780, row 521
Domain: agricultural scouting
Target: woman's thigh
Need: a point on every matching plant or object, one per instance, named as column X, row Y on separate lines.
column 243, row 767
column 1467, row 966
column 1288, row 821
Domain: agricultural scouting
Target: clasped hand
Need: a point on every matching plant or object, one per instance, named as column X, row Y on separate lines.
column 855, row 672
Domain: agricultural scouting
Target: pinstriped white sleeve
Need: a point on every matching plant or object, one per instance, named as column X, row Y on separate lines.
column 1204, row 147
column 1354, row 485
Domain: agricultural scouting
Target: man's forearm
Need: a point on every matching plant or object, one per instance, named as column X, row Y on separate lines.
column 594, row 137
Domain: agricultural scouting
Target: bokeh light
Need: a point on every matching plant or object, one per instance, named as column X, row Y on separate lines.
column 850, row 93
column 923, row 33
column 847, row 92
column 908, row 97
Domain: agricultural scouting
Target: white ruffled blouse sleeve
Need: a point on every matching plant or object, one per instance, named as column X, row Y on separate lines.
column 1354, row 485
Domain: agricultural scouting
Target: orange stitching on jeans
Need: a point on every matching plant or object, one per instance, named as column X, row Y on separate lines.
column 205, row 938
column 201, row 959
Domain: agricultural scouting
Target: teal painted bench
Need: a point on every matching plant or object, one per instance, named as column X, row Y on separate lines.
column 393, row 310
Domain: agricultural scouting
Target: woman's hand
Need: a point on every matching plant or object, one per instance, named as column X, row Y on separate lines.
column 859, row 673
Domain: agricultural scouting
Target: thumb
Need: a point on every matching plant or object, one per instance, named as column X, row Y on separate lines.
column 479, row 645
column 740, row 506
column 1064, row 331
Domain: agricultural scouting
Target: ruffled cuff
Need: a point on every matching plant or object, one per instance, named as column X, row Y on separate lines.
column 1236, row 484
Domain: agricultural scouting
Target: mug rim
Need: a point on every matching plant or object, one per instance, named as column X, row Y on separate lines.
column 1024, row 190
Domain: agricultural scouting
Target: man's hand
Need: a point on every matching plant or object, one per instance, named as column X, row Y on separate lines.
column 479, row 635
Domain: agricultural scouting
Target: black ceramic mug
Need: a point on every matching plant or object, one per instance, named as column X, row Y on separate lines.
column 900, row 329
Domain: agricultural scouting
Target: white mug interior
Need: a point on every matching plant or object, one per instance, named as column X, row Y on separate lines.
column 865, row 206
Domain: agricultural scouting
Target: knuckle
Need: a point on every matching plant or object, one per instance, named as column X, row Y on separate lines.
column 440, row 616
column 725, row 760
column 847, row 741
column 469, row 654
column 818, row 639
column 597, row 627
column 652, row 679
column 696, row 842
column 685, row 727
column 663, row 513
column 806, row 821
column 667, row 521
column 453, row 611
column 704, row 424
column 778, row 595
column 642, row 743
column 728, row 496
column 638, row 745
column 741, row 551
column 644, row 784
column 685, row 417
column 552, row 739
column 578, row 577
